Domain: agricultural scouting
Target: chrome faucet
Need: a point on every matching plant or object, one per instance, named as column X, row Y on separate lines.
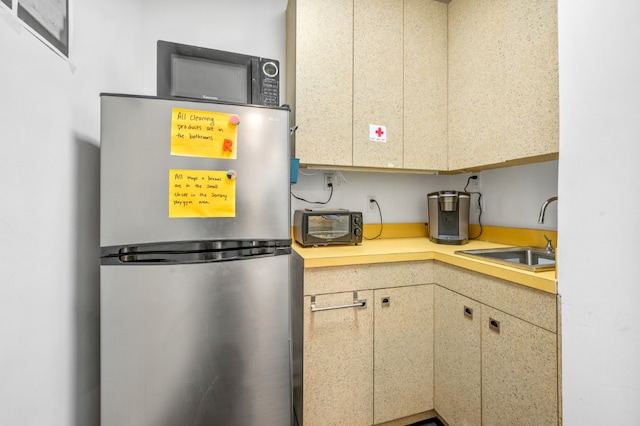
column 543, row 209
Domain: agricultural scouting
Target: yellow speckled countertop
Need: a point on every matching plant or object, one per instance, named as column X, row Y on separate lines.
column 420, row 248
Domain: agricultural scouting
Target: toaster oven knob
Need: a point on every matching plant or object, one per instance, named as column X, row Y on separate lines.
column 357, row 232
column 357, row 220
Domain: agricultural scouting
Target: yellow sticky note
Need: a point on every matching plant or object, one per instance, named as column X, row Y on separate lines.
column 203, row 134
column 201, row 193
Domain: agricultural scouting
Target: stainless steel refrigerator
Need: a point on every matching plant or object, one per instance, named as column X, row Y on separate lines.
column 195, row 253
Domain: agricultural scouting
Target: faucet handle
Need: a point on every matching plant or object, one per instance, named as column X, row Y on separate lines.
column 549, row 245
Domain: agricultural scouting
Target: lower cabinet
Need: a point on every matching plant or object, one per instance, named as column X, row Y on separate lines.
column 403, row 352
column 338, row 361
column 368, row 365
column 457, row 358
column 476, row 349
column 492, row 368
column 519, row 371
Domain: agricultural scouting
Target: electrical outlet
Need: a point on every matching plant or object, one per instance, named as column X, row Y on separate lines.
column 330, row 178
column 371, row 206
column 474, row 184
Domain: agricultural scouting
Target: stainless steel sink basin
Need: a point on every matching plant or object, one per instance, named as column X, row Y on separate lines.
column 529, row 258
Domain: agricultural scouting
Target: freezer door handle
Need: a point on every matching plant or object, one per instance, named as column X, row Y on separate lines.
column 191, row 246
column 195, row 257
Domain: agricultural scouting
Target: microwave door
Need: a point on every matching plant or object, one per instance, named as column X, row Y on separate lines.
column 208, row 79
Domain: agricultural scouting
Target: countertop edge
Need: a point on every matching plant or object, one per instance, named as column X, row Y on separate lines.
column 420, row 249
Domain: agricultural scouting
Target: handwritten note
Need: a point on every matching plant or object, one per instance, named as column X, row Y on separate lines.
column 201, row 193
column 203, row 134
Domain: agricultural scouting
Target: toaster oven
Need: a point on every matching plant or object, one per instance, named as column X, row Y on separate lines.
column 322, row 227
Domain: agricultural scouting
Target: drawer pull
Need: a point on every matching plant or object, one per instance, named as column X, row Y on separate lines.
column 494, row 325
column 362, row 303
column 468, row 312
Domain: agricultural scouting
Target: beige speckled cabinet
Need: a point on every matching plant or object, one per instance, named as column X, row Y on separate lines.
column 503, row 82
column 403, row 352
column 377, row 81
column 518, row 369
column 356, row 63
column 320, row 79
column 519, row 372
column 338, row 362
column 492, row 368
column 457, row 358
column 425, row 85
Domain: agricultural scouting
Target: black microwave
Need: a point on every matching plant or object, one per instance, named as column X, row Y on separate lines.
column 193, row 72
column 322, row 227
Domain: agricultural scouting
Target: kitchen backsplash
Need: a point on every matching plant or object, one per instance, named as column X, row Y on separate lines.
column 511, row 196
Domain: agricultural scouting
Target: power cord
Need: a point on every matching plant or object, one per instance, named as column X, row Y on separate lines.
column 315, row 202
column 381, row 224
column 479, row 206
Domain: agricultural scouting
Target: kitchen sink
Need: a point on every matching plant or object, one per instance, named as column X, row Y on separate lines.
column 530, row 258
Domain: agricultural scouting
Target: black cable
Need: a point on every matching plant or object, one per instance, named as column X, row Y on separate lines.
column 381, row 225
column 315, row 202
column 479, row 206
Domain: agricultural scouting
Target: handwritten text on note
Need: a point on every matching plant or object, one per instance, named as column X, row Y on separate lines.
column 203, row 134
column 201, row 193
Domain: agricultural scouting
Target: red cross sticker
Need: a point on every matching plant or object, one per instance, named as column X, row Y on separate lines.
column 377, row 133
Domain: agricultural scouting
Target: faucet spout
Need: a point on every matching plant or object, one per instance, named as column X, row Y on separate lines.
column 543, row 208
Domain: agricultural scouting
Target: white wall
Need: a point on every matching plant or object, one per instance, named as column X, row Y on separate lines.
column 246, row 26
column 511, row 196
column 49, row 183
column 598, row 212
column 49, row 172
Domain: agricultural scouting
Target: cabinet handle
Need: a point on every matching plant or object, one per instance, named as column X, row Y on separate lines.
column 468, row 312
column 494, row 325
column 362, row 303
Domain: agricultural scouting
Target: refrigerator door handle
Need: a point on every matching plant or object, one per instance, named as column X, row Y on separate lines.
column 192, row 247
column 194, row 257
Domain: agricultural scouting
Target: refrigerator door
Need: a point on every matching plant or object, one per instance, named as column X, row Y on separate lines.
column 135, row 173
column 196, row 344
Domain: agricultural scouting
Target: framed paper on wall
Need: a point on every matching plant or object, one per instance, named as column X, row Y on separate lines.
column 49, row 18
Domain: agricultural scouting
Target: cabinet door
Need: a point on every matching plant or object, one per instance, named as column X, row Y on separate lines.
column 519, row 372
column 457, row 358
column 377, row 82
column 425, row 85
column 503, row 81
column 338, row 362
column 320, row 46
column 403, row 352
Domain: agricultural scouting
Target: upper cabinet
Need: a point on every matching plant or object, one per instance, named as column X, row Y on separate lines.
column 503, row 82
column 320, row 79
column 425, row 85
column 422, row 84
column 377, row 82
column 355, row 67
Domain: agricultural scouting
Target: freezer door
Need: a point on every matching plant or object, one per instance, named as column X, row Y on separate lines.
column 198, row 344
column 135, row 161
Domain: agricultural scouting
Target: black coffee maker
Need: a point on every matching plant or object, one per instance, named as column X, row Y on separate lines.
column 448, row 217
